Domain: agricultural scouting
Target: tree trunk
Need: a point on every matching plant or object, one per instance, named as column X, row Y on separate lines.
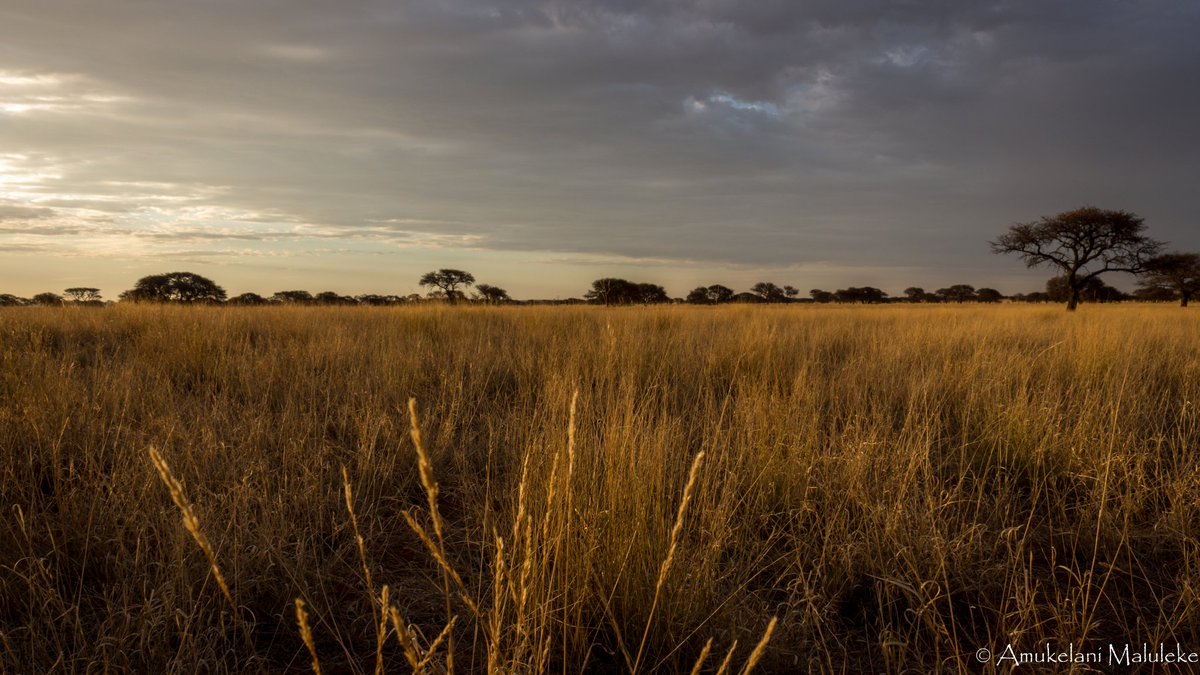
column 1073, row 290
column 1183, row 299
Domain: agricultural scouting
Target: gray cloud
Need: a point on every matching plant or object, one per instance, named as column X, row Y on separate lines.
column 49, row 230
column 766, row 134
column 11, row 212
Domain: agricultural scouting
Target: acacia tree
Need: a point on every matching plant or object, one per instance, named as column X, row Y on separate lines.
column 1177, row 273
column 377, row 300
column 710, row 295
column 768, row 291
column 1083, row 244
column 866, row 294
column 48, row 299
column 248, row 300
column 651, row 294
column 293, row 298
column 698, row 296
column 718, row 293
column 1094, row 290
column 959, row 293
column 83, row 294
column 988, row 295
column 333, row 298
column 184, row 287
column 493, row 294
column 611, row 291
column 448, row 282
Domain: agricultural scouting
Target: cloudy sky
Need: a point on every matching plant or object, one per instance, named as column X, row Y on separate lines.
column 351, row 146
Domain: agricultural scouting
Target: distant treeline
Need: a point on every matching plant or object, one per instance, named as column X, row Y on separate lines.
column 457, row 286
column 1081, row 244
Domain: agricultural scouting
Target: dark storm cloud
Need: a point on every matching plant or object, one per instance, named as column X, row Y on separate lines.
column 752, row 133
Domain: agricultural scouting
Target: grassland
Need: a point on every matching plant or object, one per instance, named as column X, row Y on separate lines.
column 897, row 486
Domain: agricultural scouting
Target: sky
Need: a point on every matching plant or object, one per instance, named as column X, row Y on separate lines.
column 352, row 146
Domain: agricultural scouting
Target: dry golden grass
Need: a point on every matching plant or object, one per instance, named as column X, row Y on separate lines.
column 881, row 488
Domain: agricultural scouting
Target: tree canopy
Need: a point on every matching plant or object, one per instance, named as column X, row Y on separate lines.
column 1092, row 290
column 48, row 299
column 864, row 294
column 294, row 297
column 988, row 295
column 248, row 300
column 492, row 294
column 768, row 291
column 448, row 282
column 710, row 295
column 957, row 293
column 1083, row 244
column 612, row 291
column 83, row 294
column 181, row 287
column 1175, row 273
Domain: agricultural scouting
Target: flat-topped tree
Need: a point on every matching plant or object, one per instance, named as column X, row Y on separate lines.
column 297, row 297
column 83, row 294
column 448, row 281
column 181, row 287
column 988, row 295
column 867, row 295
column 959, row 293
column 1083, row 244
column 248, row 300
column 333, row 298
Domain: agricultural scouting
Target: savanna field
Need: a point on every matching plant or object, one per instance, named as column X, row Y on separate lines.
column 592, row 490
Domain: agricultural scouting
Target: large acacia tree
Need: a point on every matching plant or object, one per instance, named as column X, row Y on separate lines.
column 184, row 287
column 1083, row 244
